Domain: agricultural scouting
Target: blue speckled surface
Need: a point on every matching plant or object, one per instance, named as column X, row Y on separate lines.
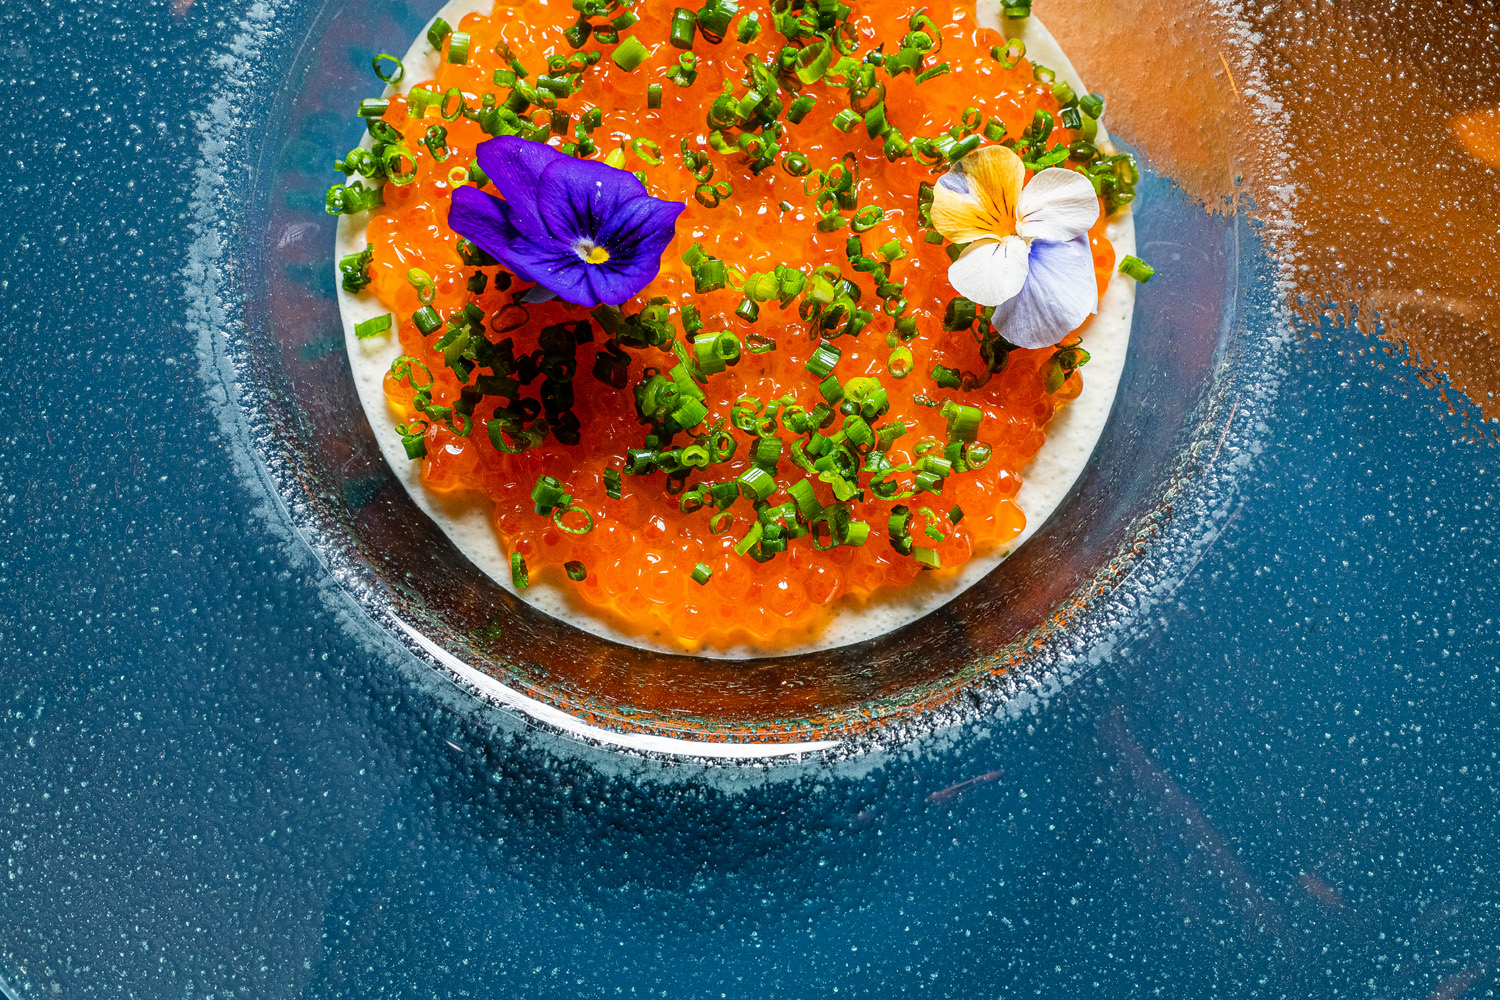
column 214, row 783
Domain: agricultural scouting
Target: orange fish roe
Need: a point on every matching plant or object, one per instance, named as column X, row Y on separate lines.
column 643, row 547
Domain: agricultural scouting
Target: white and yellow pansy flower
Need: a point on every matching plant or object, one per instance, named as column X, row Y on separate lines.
column 1028, row 253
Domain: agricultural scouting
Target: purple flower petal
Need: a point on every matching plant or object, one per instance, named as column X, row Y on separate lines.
column 641, row 229
column 619, row 283
column 515, row 167
column 1059, row 294
column 570, row 280
column 578, row 197
column 486, row 221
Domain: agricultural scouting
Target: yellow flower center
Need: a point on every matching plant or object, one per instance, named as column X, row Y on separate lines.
column 591, row 253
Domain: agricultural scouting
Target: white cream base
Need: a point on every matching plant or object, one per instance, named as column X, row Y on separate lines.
column 1071, row 436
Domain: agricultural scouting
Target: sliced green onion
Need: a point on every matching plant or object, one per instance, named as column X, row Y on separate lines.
column 800, row 107
column 1134, row 267
column 927, row 557
column 684, row 26
column 427, row 319
column 440, row 29
column 720, row 523
column 963, row 421
column 422, row 282
column 832, row 389
column 749, row 28
column 977, row 455
column 577, row 571
column 519, row 577
column 823, row 360
column 941, row 69
column 390, row 74
column 458, row 48
column 900, row 364
column 653, row 96
column 630, row 54
column 756, row 483
column 612, row 483
column 559, row 512
column 373, row 327
column 960, row 314
column 956, row 514
column 701, row 573
column 948, row 378
column 579, row 33
column 867, row 218
column 646, row 150
column 752, row 536
column 373, row 107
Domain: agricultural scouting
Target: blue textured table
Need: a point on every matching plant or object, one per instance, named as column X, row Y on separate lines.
column 216, row 780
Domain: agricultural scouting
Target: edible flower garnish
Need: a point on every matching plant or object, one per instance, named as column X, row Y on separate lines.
column 583, row 230
column 1028, row 248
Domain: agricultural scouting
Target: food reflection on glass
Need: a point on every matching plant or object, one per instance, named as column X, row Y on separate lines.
column 739, row 328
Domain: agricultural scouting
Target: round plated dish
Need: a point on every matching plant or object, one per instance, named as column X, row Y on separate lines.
column 638, row 584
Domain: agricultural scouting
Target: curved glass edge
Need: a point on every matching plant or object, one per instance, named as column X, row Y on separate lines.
column 1216, row 286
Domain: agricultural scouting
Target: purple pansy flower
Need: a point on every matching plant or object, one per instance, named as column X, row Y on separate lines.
column 581, row 229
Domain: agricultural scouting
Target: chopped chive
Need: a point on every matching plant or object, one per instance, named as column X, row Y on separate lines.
column 963, row 421
column 701, row 573
column 577, row 571
column 653, row 96
column 559, row 512
column 373, row 107
column 956, row 514
column 1134, row 267
column 845, row 120
column 832, row 389
column 684, row 25
column 427, row 319
column 458, row 48
column 752, row 536
column 756, row 483
column 800, row 107
column 749, row 28
column 720, row 523
column 867, row 218
column 579, row 33
column 940, row 69
column 630, row 54
column 823, row 360
column 612, row 483
column 927, row 557
column 1010, row 56
column 392, row 73
column 373, row 327
column 439, row 30
column 948, row 378
column 519, row 578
